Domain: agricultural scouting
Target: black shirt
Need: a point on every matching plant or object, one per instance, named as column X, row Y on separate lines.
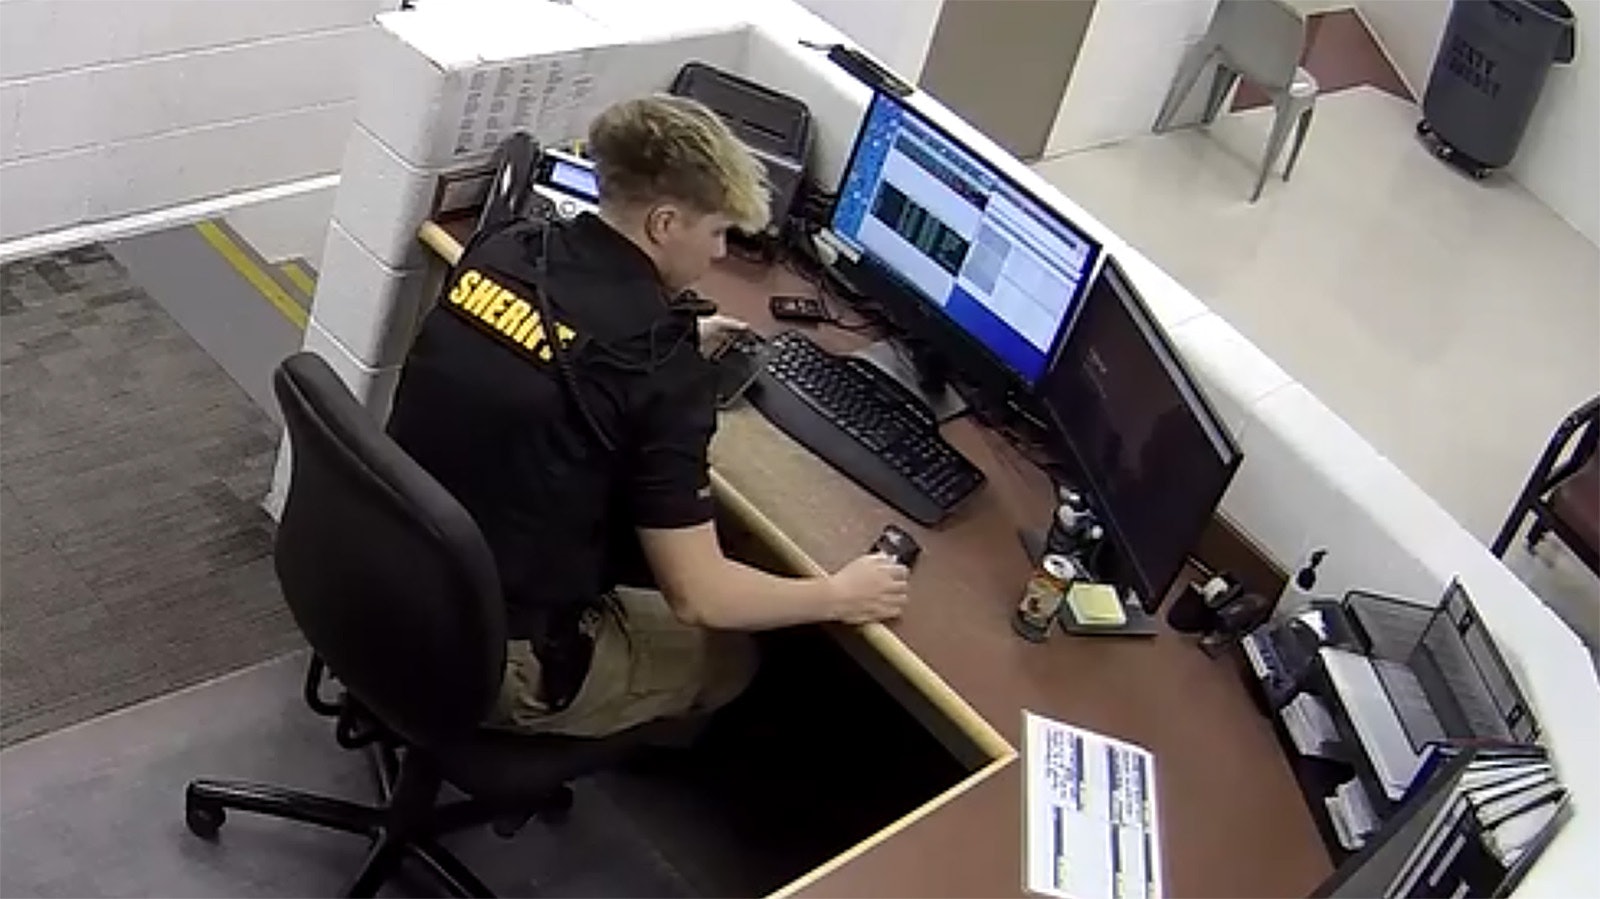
column 482, row 407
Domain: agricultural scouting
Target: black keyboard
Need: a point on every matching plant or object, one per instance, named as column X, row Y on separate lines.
column 865, row 424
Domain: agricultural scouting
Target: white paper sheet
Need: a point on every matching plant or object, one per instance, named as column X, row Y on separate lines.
column 1091, row 814
column 552, row 97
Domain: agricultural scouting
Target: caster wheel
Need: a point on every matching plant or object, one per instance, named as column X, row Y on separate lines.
column 557, row 807
column 1478, row 174
column 1424, row 129
column 204, row 820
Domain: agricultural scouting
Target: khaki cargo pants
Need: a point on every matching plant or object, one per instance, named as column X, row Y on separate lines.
column 647, row 665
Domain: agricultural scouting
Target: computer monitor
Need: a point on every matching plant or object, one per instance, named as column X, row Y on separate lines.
column 997, row 266
column 1151, row 453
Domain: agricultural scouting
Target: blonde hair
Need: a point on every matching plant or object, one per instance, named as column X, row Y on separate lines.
column 663, row 147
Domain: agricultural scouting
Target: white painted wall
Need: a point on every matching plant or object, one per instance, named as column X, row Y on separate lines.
column 1557, row 159
column 290, row 228
column 898, row 32
column 109, row 109
column 1128, row 59
column 1409, row 31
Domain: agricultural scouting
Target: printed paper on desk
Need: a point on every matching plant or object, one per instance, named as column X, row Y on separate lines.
column 1091, row 827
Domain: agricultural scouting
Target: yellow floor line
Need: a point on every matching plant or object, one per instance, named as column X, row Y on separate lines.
column 247, row 268
column 298, row 277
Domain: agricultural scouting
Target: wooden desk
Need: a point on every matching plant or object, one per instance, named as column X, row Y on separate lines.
column 1233, row 822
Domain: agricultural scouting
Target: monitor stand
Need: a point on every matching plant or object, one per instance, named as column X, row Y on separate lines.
column 1138, row 623
column 897, row 361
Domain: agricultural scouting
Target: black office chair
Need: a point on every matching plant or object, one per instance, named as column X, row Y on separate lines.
column 1563, row 491
column 393, row 585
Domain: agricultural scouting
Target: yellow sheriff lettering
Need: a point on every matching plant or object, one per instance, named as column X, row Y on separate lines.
column 464, row 285
column 482, row 293
column 515, row 318
column 529, row 333
column 514, row 315
column 542, row 347
column 497, row 305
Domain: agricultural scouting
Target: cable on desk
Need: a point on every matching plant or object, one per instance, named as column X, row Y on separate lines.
column 800, row 260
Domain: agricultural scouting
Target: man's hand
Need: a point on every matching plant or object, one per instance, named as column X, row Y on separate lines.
column 716, row 329
column 872, row 588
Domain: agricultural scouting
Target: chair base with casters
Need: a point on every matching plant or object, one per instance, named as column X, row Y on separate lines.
column 1563, row 491
column 406, row 825
column 407, row 821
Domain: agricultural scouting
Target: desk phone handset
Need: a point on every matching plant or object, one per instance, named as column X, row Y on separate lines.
column 511, row 195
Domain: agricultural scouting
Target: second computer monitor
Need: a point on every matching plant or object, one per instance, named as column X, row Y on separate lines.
column 1152, row 454
column 1002, row 268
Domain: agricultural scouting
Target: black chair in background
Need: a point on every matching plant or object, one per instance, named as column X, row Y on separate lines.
column 1563, row 492
column 394, row 588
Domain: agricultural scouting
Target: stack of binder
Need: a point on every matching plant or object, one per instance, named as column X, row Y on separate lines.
column 1472, row 824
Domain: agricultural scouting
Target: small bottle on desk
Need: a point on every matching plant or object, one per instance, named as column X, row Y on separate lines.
column 1073, row 530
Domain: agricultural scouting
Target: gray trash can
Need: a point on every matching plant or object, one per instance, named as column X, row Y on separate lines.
column 1487, row 75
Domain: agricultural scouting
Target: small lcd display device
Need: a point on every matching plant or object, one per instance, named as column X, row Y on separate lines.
column 569, row 182
column 574, row 177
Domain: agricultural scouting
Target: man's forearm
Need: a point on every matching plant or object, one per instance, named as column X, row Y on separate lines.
column 735, row 596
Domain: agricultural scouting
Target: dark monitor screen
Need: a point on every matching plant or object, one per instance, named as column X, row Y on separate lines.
column 1152, row 454
column 975, row 248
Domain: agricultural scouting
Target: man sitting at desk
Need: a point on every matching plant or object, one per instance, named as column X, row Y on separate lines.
column 574, row 456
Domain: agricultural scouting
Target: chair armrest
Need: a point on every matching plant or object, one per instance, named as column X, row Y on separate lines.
column 1584, row 423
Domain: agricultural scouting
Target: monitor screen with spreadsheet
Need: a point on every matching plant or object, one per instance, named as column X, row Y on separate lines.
column 1001, row 266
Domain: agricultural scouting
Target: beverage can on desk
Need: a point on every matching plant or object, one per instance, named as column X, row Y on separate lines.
column 1043, row 595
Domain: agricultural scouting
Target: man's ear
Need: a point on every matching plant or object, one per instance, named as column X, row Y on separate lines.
column 658, row 222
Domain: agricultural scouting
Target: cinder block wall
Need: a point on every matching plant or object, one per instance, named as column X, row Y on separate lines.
column 112, row 108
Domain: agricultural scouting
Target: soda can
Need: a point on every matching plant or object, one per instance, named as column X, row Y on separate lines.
column 1043, row 595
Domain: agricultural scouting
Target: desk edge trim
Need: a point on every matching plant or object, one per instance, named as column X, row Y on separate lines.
column 895, row 652
column 810, row 878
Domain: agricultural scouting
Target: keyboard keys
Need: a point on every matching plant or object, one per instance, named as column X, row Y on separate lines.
column 855, row 401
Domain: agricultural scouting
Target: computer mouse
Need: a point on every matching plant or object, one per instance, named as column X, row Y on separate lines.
column 898, row 545
column 694, row 302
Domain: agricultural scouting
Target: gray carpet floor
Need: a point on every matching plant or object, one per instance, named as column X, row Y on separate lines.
column 133, row 557
column 213, row 304
column 97, row 810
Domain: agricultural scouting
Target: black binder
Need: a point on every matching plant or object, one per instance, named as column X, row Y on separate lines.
column 1442, row 841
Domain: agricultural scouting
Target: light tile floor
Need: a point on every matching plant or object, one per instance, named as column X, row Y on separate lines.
column 1452, row 323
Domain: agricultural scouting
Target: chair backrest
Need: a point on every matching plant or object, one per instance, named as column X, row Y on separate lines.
column 1261, row 39
column 386, row 574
